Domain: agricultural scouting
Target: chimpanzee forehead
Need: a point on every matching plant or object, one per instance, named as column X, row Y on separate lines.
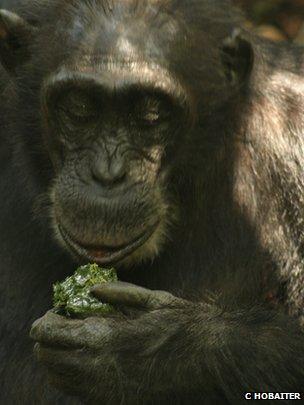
column 126, row 29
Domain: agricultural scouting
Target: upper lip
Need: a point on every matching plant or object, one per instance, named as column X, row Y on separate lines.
column 111, row 254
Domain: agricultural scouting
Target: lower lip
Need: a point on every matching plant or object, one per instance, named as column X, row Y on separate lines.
column 104, row 256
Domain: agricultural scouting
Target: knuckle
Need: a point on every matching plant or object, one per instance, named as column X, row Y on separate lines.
column 34, row 332
column 163, row 298
column 40, row 328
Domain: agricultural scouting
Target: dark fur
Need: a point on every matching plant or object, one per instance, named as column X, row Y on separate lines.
column 238, row 244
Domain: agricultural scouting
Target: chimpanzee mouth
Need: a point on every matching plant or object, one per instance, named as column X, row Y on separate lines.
column 105, row 255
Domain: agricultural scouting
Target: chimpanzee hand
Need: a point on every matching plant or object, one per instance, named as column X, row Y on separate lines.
column 138, row 352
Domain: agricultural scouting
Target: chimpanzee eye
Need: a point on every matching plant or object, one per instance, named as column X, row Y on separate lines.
column 151, row 117
column 78, row 108
column 152, row 112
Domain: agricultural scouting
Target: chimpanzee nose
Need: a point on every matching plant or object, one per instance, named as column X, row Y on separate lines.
column 109, row 173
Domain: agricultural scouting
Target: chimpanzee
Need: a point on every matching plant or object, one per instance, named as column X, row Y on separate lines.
column 159, row 137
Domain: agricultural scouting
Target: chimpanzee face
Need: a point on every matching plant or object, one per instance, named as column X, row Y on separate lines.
column 113, row 124
column 110, row 136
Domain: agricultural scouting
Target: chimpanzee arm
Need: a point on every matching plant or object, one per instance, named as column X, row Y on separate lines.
column 249, row 350
column 166, row 347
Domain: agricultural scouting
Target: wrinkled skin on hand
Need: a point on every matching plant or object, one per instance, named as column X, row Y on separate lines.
column 117, row 358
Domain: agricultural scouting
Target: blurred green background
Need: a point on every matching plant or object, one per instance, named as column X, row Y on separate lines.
column 275, row 19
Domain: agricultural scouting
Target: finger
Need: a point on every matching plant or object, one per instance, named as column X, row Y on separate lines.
column 61, row 360
column 66, row 369
column 120, row 293
column 53, row 329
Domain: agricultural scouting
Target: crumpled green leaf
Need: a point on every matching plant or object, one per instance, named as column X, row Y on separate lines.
column 72, row 296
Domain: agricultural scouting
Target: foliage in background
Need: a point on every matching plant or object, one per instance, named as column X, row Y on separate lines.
column 276, row 19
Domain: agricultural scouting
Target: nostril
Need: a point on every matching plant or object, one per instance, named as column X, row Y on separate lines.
column 108, row 180
column 110, row 176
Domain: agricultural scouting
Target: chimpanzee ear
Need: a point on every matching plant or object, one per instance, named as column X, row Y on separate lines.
column 15, row 37
column 238, row 57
